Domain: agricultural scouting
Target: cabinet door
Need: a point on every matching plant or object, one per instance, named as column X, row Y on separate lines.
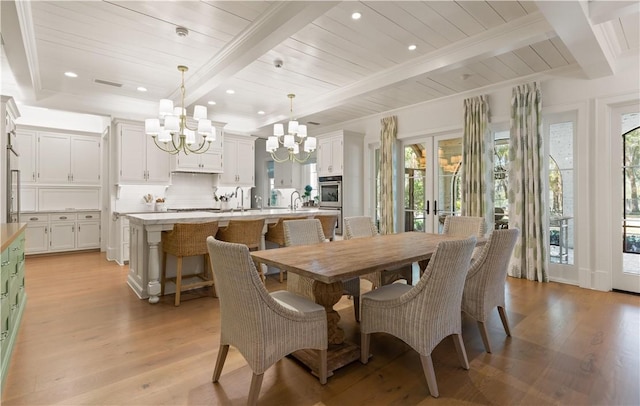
column 54, row 158
column 62, row 236
column 287, row 175
column 88, row 234
column 37, row 238
column 85, row 160
column 336, row 156
column 230, row 157
column 25, row 145
column 324, row 156
column 132, row 153
column 158, row 162
column 211, row 161
column 188, row 163
column 245, row 163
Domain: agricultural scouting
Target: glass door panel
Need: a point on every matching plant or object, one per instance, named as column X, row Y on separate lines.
column 432, row 175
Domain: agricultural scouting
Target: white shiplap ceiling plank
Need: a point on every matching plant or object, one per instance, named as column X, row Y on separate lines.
column 480, row 69
column 516, row 64
column 564, row 51
column 438, row 88
column 483, row 13
column 630, row 24
column 509, row 10
column 431, row 18
column 529, row 6
column 550, row 54
column 496, row 65
column 458, row 16
column 532, row 59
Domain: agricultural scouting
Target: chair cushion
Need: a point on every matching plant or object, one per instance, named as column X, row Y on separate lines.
column 388, row 292
column 296, row 303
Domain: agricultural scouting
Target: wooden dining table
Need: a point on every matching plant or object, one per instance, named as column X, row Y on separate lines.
column 329, row 263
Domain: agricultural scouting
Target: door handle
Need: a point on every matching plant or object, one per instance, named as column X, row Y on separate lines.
column 435, row 207
column 427, row 208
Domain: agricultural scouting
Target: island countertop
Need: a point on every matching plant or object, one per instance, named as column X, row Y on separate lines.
column 145, row 236
column 9, row 232
column 222, row 216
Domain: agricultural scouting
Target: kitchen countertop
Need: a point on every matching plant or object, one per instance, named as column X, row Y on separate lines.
column 9, row 232
column 198, row 216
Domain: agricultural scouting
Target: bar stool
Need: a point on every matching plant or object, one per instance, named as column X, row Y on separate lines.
column 186, row 240
column 328, row 222
column 247, row 232
column 275, row 234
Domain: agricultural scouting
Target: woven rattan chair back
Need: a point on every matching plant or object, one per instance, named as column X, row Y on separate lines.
column 359, row 227
column 464, row 226
column 275, row 234
column 186, row 240
column 485, row 282
column 329, row 222
column 247, row 232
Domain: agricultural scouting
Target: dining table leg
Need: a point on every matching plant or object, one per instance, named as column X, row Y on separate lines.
column 327, row 295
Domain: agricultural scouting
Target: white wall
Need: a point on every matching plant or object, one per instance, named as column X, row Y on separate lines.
column 561, row 91
column 62, row 120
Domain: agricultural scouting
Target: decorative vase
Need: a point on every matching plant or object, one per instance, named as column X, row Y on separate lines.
column 225, row 206
column 160, row 206
column 149, row 206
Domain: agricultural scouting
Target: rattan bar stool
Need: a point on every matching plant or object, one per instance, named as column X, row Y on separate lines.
column 275, row 234
column 328, row 222
column 186, row 240
column 247, row 232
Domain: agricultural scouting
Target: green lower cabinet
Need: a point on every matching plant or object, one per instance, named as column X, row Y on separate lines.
column 12, row 299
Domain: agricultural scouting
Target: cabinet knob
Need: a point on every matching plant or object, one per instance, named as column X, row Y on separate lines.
column 63, row 217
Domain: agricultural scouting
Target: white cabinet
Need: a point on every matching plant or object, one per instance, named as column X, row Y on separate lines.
column 287, row 175
column 64, row 159
column 239, row 161
column 55, row 232
column 140, row 160
column 329, row 155
column 122, row 231
column 207, row 162
column 37, row 233
column 87, row 230
column 25, row 145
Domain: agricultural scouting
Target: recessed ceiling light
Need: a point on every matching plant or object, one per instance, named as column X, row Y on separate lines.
column 71, row 74
column 230, row 91
column 211, row 103
column 142, row 89
column 356, row 16
column 412, row 47
column 261, row 112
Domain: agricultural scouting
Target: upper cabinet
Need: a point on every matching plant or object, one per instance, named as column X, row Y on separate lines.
column 239, row 161
column 329, row 155
column 25, row 144
column 65, row 159
column 140, row 160
column 207, row 162
column 287, row 175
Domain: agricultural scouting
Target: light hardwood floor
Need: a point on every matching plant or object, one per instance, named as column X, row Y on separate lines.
column 86, row 339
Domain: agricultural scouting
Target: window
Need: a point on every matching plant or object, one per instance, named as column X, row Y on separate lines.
column 501, row 177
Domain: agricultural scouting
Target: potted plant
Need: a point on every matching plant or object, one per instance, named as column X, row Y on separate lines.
column 307, row 195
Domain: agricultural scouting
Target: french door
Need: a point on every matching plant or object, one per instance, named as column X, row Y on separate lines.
column 625, row 151
column 432, row 182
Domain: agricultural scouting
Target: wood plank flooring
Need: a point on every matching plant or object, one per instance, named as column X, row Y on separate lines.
column 86, row 339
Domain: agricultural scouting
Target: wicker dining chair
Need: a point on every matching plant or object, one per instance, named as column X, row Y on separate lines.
column 485, row 283
column 363, row 226
column 275, row 234
column 263, row 326
column 329, row 222
column 247, row 232
column 422, row 315
column 305, row 232
column 186, row 240
column 461, row 226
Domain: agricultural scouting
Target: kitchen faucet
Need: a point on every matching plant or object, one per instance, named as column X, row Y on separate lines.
column 293, row 202
column 241, row 201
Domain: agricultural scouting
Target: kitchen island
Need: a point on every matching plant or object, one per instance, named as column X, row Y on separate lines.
column 145, row 259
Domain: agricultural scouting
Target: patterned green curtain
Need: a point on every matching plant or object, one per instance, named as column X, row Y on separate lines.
column 526, row 193
column 477, row 160
column 388, row 135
